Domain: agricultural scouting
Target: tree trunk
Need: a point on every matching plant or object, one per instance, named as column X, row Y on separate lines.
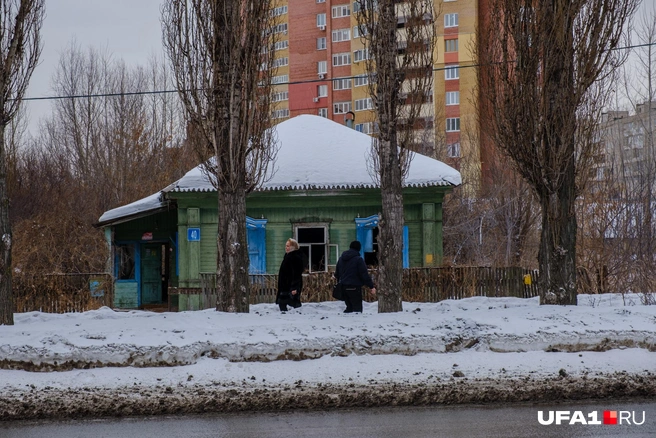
column 6, row 297
column 390, row 238
column 557, row 253
column 232, row 257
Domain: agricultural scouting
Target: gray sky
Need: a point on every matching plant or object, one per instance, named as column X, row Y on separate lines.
column 127, row 29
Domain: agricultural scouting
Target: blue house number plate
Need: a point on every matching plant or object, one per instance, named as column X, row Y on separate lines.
column 193, row 234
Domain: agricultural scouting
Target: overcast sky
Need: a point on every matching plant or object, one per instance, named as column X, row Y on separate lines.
column 127, row 29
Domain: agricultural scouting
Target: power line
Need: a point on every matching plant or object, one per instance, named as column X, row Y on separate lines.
column 307, row 81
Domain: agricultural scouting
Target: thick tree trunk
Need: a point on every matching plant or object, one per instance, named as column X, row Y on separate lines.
column 232, row 257
column 390, row 238
column 6, row 297
column 557, row 253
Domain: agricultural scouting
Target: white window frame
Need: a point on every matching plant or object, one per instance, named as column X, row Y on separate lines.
column 342, row 84
column 322, row 90
column 323, row 112
column 341, row 59
column 451, row 45
column 365, row 128
column 453, row 124
column 451, row 20
column 452, row 97
column 281, row 79
column 322, row 44
column 280, row 113
column 339, row 35
column 360, row 55
column 453, row 150
column 452, row 72
column 364, row 104
column 342, row 107
column 322, row 67
column 361, row 80
column 340, row 11
column 321, row 20
column 359, row 31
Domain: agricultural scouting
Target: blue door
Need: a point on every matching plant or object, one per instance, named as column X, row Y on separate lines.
column 256, row 238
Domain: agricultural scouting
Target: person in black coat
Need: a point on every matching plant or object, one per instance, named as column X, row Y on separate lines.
column 290, row 277
column 352, row 273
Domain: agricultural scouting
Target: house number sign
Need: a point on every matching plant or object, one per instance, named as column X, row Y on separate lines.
column 193, row 234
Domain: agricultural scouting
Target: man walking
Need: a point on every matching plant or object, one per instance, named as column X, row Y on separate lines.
column 351, row 271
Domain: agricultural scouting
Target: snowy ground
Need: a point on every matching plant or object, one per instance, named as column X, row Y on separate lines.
column 476, row 350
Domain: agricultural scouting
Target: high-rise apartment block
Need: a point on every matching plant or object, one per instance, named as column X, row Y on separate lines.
column 321, row 70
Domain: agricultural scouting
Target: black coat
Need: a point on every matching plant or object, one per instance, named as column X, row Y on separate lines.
column 290, row 275
column 351, row 270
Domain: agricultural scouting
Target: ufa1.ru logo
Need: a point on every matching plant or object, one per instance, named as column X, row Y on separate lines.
column 547, row 418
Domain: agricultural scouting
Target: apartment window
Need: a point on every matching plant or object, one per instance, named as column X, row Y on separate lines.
column 279, row 62
column 453, row 124
column 322, row 67
column 342, row 84
column 321, row 20
column 283, row 95
column 453, row 97
column 321, row 1
column 341, row 35
column 341, row 59
column 281, row 45
column 451, row 20
column 322, row 90
column 341, row 107
column 341, row 11
column 363, row 104
column 453, row 150
column 280, row 28
column 359, row 5
column 281, row 113
column 276, row 12
column 451, row 45
column 359, row 31
column 321, row 43
column 360, row 80
column 323, row 112
column 451, row 72
column 360, row 55
column 282, row 79
column 364, row 128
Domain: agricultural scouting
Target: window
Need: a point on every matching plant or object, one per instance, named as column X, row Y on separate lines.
column 323, row 112
column 321, row 20
column 322, row 67
column 281, row 45
column 453, row 97
column 453, row 150
column 282, row 10
column 360, row 55
column 283, row 95
column 321, row 43
column 282, row 79
column 451, row 45
column 280, row 28
column 359, row 31
column 313, row 242
column 279, row 62
column 125, row 262
column 341, row 11
column 451, row 20
column 363, row 104
column 341, row 35
column 341, row 107
column 453, row 124
column 342, row 84
column 341, row 59
column 321, row 1
column 361, row 80
column 364, row 128
column 359, row 5
column 322, row 90
column 451, row 72
column 281, row 113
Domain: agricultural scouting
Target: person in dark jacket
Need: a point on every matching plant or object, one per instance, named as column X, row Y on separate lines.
column 290, row 277
column 352, row 273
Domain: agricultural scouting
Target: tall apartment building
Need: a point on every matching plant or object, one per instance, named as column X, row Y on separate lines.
column 321, row 70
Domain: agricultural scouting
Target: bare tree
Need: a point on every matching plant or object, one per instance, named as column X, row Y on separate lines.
column 20, row 47
column 542, row 63
column 400, row 65
column 221, row 51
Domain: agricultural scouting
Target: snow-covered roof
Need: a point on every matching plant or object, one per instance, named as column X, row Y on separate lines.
column 314, row 154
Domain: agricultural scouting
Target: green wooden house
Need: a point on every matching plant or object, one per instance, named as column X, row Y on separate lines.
column 321, row 192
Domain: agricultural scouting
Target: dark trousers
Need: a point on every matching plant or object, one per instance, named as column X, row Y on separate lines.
column 353, row 299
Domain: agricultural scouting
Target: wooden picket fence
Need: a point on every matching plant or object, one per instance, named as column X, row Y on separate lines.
column 419, row 285
column 62, row 293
